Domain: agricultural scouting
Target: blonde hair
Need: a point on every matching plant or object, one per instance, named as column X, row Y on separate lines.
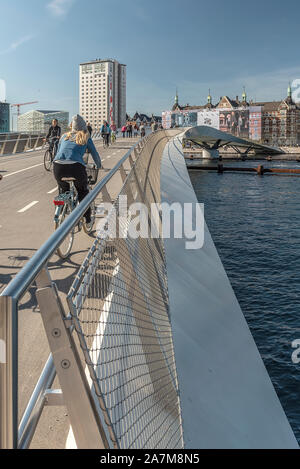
column 81, row 137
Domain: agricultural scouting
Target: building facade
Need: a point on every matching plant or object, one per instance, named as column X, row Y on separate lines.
column 4, row 117
column 276, row 123
column 40, row 121
column 102, row 92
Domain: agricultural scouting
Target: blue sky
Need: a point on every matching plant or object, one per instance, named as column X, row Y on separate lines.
column 192, row 44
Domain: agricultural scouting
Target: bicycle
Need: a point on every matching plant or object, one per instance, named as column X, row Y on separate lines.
column 105, row 138
column 49, row 156
column 65, row 203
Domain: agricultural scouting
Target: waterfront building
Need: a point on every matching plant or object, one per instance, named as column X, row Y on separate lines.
column 4, row 117
column 40, row 121
column 102, row 92
column 271, row 122
column 281, row 121
column 138, row 118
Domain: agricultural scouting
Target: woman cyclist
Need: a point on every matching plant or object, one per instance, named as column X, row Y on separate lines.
column 69, row 162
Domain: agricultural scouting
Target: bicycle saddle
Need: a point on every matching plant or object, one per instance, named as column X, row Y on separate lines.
column 68, row 179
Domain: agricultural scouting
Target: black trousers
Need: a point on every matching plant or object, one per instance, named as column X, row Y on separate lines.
column 77, row 171
column 53, row 145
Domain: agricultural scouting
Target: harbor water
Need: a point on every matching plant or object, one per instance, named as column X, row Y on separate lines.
column 255, row 224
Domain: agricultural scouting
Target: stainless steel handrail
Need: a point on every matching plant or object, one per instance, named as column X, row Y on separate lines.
column 35, row 405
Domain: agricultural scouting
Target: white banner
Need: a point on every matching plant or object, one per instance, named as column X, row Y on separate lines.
column 209, row 118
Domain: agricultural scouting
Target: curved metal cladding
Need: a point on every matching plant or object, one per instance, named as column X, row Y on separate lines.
column 227, row 398
column 120, row 310
column 213, row 138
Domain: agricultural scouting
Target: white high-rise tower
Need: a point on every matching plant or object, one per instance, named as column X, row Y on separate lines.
column 102, row 92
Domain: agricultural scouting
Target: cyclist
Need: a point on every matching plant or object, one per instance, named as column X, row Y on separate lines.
column 69, row 162
column 53, row 137
column 113, row 129
column 105, row 132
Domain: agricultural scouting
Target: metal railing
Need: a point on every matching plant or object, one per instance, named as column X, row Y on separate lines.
column 13, row 143
column 19, row 142
column 123, row 374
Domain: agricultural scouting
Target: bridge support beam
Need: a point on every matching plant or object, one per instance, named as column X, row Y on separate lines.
column 211, row 153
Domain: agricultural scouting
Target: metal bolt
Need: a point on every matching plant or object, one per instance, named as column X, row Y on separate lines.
column 65, row 364
column 56, row 333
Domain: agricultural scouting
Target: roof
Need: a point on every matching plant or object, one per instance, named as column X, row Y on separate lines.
column 46, row 112
column 191, row 108
column 96, row 61
column 176, row 107
column 206, row 135
column 268, row 106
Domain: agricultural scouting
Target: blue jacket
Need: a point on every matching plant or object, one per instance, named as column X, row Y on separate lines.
column 69, row 150
column 105, row 129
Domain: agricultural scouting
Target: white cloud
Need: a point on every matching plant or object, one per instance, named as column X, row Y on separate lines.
column 59, row 8
column 14, row 45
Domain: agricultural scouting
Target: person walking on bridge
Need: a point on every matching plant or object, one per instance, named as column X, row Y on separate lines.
column 105, row 132
column 69, row 161
column 90, row 129
column 142, row 130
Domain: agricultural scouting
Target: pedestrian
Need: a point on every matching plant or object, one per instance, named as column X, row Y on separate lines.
column 105, row 132
column 135, row 130
column 142, row 130
column 129, row 130
column 123, row 130
column 89, row 127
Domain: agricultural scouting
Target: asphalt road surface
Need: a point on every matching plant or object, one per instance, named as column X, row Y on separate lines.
column 26, row 222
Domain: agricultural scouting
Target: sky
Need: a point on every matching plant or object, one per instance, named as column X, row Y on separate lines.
column 192, row 45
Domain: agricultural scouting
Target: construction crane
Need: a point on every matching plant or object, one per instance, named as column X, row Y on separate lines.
column 22, row 104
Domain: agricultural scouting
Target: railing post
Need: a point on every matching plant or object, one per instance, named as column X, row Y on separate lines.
column 83, row 414
column 4, row 144
column 16, row 144
column 27, row 143
column 8, row 373
column 123, row 173
column 36, row 142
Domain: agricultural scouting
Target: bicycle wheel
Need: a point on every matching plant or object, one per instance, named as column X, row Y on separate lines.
column 88, row 227
column 65, row 248
column 47, row 160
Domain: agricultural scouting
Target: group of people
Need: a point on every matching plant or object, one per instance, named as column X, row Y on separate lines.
column 130, row 130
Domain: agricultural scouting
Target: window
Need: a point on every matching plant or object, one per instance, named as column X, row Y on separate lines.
column 87, row 68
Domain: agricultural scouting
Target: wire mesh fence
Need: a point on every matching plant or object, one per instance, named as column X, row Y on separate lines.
column 119, row 306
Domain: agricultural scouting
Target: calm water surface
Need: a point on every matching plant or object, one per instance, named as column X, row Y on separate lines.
column 255, row 223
